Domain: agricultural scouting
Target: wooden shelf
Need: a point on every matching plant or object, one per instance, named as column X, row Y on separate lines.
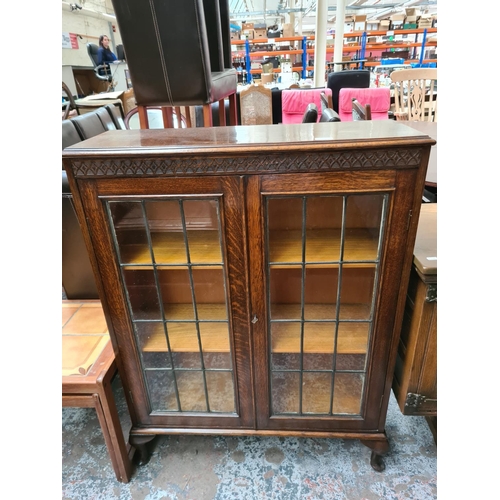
column 170, row 249
column 183, row 336
column 320, row 311
column 318, row 338
column 322, row 245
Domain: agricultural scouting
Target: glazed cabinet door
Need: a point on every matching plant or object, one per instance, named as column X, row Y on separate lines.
column 172, row 258
column 323, row 248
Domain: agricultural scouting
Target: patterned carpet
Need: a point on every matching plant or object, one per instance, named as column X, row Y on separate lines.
column 223, row 468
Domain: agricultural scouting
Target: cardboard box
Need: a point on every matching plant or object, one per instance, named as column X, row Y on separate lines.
column 235, row 35
column 288, row 29
column 397, row 21
column 411, row 15
column 359, row 23
column 267, row 77
column 425, row 22
column 247, row 26
column 247, row 35
column 372, row 25
column 385, row 24
column 260, row 33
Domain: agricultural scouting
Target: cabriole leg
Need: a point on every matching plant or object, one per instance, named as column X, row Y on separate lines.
column 379, row 448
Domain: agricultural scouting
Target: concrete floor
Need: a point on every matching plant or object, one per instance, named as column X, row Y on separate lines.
column 203, row 468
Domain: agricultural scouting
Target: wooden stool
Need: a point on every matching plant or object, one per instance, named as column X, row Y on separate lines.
column 88, row 367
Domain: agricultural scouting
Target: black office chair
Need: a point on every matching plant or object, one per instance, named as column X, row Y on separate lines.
column 349, row 78
column 101, row 71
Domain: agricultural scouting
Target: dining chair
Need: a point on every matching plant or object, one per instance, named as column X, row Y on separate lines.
column 256, row 105
column 379, row 99
column 294, row 102
column 158, row 117
column 415, row 94
column 70, row 107
column 178, row 55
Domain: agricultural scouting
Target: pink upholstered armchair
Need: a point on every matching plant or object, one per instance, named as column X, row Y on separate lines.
column 294, row 103
column 379, row 100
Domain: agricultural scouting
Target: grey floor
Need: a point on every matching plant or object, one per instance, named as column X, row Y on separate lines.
column 202, row 468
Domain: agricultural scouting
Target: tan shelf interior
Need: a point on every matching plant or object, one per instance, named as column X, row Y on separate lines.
column 183, row 336
column 319, row 338
column 169, row 249
column 322, row 245
column 320, row 311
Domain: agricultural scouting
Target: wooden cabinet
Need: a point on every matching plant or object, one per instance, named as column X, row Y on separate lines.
column 253, row 277
column 415, row 376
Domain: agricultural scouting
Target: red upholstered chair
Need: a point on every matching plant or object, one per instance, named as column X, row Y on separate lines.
column 294, row 103
column 379, row 100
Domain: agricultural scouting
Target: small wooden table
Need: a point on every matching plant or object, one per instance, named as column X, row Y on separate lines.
column 88, row 367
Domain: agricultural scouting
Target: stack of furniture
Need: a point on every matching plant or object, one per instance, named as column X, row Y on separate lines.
column 357, row 78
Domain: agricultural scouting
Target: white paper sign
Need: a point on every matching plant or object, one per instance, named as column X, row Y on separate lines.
column 66, row 41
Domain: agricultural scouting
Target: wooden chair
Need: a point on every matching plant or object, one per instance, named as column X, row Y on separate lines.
column 158, row 117
column 360, row 112
column 70, row 108
column 88, row 368
column 256, row 105
column 415, row 94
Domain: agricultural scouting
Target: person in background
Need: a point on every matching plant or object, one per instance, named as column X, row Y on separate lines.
column 104, row 55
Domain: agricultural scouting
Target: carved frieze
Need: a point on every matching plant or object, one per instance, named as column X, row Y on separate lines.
column 189, row 165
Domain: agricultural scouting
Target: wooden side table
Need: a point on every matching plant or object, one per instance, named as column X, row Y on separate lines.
column 88, row 367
